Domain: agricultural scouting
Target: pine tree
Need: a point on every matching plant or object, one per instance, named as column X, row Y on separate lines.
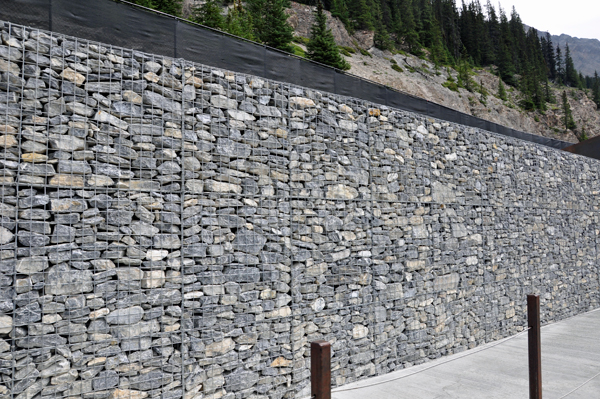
column 239, row 21
column 270, row 23
column 209, row 14
column 322, row 47
column 501, row 90
column 596, row 89
column 339, row 9
column 567, row 113
column 549, row 57
column 560, row 70
column 409, row 28
column 571, row 76
column 144, row 3
column 172, row 7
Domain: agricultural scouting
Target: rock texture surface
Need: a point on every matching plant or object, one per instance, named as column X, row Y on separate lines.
column 170, row 230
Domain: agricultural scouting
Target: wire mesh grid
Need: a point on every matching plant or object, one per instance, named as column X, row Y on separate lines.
column 171, row 230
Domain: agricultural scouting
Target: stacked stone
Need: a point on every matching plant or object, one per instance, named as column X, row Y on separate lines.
column 170, row 230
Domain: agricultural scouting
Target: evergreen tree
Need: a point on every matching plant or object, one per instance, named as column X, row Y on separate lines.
column 360, row 15
column 339, row 9
column 567, row 113
column 270, row 23
column 172, row 7
column 409, row 28
column 322, row 47
column 571, row 76
column 501, row 90
column 209, row 14
column 596, row 89
column 144, row 3
column 560, row 70
column 239, row 21
column 548, row 49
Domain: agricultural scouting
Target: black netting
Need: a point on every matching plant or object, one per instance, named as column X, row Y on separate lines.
column 208, row 47
column 115, row 24
column 34, row 13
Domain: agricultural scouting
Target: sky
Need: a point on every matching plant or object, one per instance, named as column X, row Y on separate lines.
column 578, row 18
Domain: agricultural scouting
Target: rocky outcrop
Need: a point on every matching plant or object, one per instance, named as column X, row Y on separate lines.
column 301, row 17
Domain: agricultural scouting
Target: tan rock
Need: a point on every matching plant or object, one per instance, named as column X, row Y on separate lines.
column 132, row 97
column 127, row 394
column 341, row 191
column 156, row 254
column 33, row 157
column 301, row 102
column 99, row 181
column 153, row 279
column 346, row 109
column 8, row 140
column 281, row 312
column 195, row 81
column 6, row 324
column 219, row 348
column 359, row 331
column 99, row 313
column 281, row 133
column 7, row 129
column 281, row 362
column 67, row 181
column 73, row 76
column 151, row 77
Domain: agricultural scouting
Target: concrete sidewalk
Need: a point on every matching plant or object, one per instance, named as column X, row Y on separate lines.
column 570, row 357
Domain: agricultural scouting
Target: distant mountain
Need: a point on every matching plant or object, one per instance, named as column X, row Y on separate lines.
column 585, row 52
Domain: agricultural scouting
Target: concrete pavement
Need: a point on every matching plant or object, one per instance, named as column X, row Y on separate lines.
column 570, row 357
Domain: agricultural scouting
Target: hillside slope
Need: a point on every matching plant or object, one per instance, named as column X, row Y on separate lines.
column 419, row 77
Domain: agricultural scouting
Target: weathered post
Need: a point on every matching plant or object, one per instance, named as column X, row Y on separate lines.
column 320, row 369
column 535, row 347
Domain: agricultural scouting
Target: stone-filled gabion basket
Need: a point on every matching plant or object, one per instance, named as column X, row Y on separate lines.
column 170, row 230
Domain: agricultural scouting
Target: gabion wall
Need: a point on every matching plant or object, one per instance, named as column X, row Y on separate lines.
column 169, row 230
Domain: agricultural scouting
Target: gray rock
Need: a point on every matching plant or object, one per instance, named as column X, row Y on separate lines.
column 123, row 108
column 34, row 264
column 241, row 380
column 105, row 380
column 158, row 101
column 75, row 167
column 28, row 314
column 119, row 217
column 32, row 240
column 249, row 241
column 61, row 280
column 166, row 241
column 63, row 233
column 232, row 148
column 130, row 315
column 104, row 87
column 148, row 381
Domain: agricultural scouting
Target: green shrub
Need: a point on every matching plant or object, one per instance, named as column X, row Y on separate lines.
column 397, row 68
column 297, row 50
column 365, row 52
column 301, row 40
column 450, row 85
column 344, row 52
column 348, row 49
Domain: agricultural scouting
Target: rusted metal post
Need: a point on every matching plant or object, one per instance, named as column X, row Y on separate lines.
column 535, row 347
column 320, row 369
